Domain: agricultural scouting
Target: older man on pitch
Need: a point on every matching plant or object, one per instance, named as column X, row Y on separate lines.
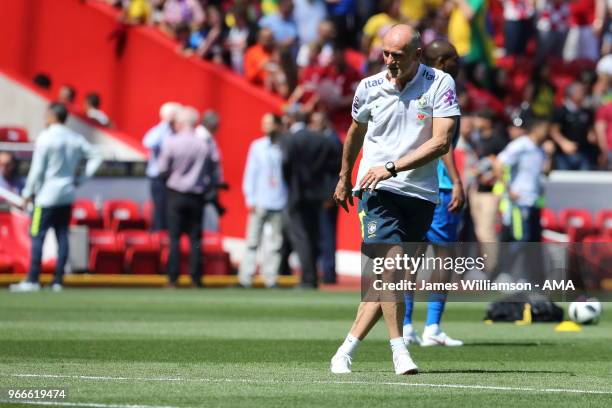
column 403, row 117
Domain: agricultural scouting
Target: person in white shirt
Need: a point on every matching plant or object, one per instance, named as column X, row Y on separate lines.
column 404, row 118
column 51, row 185
column 265, row 194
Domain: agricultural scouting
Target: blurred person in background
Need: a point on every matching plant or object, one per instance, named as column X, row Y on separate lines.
column 213, row 210
column 320, row 50
column 178, row 13
column 265, row 194
column 377, row 26
column 282, row 24
column 329, row 214
column 184, row 161
column 208, row 39
column 572, row 125
column 586, row 23
column 67, row 95
column 540, row 92
column 93, row 111
column 153, row 141
column 137, row 11
column 9, row 179
column 51, row 185
column 603, row 128
column 552, row 24
column 308, row 15
column 344, row 15
column 309, row 158
column 487, row 141
column 417, row 10
column 241, row 35
column 467, row 31
column 262, row 64
column 520, row 168
column 518, row 26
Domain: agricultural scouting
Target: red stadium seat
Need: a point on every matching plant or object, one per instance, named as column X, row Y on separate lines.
column 14, row 134
column 576, row 222
column 216, row 260
column 548, row 219
column 6, row 263
column 84, row 212
column 142, row 254
column 106, row 252
column 122, row 214
column 603, row 222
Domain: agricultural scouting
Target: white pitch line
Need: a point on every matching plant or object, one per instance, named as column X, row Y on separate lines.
column 257, row 381
column 79, row 404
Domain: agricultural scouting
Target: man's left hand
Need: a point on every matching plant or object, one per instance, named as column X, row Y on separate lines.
column 373, row 177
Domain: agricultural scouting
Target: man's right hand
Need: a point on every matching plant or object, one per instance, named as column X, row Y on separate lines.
column 343, row 193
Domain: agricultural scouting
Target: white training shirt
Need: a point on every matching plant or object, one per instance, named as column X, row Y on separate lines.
column 400, row 122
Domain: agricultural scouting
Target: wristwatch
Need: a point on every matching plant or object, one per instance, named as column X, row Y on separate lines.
column 390, row 166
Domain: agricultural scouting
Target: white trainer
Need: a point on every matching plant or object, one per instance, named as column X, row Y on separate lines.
column 439, row 339
column 24, row 286
column 57, row 287
column 341, row 363
column 403, row 364
column 411, row 337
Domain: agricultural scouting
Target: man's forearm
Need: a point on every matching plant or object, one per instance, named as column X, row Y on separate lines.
column 352, row 146
column 435, row 147
column 427, row 152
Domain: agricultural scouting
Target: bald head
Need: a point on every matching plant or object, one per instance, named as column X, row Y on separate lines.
column 402, row 36
column 442, row 55
column 402, row 53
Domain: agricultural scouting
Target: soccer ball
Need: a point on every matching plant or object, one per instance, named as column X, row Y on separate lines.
column 585, row 312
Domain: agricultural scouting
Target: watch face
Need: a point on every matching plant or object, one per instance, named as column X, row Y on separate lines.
column 389, row 166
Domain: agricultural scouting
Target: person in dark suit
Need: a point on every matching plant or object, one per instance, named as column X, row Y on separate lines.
column 309, row 158
column 319, row 122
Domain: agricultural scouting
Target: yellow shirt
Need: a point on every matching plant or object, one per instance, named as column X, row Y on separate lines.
column 376, row 27
column 139, row 10
column 459, row 31
column 415, row 10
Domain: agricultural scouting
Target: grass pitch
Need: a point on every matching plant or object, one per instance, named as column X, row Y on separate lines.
column 257, row 348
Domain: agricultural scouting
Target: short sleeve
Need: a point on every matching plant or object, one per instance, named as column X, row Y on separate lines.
column 360, row 110
column 445, row 102
column 510, row 155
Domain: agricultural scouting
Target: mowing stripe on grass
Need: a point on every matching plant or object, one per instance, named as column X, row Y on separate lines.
column 79, row 404
column 256, row 381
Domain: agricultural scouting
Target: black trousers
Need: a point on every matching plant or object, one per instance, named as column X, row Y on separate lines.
column 185, row 213
column 57, row 218
column 303, row 221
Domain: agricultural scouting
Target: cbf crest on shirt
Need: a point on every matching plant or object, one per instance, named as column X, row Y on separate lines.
column 399, row 121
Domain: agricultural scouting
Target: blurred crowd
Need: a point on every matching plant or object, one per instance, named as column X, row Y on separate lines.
column 551, row 56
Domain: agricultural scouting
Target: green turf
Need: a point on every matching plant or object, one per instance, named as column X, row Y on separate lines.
column 262, row 348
